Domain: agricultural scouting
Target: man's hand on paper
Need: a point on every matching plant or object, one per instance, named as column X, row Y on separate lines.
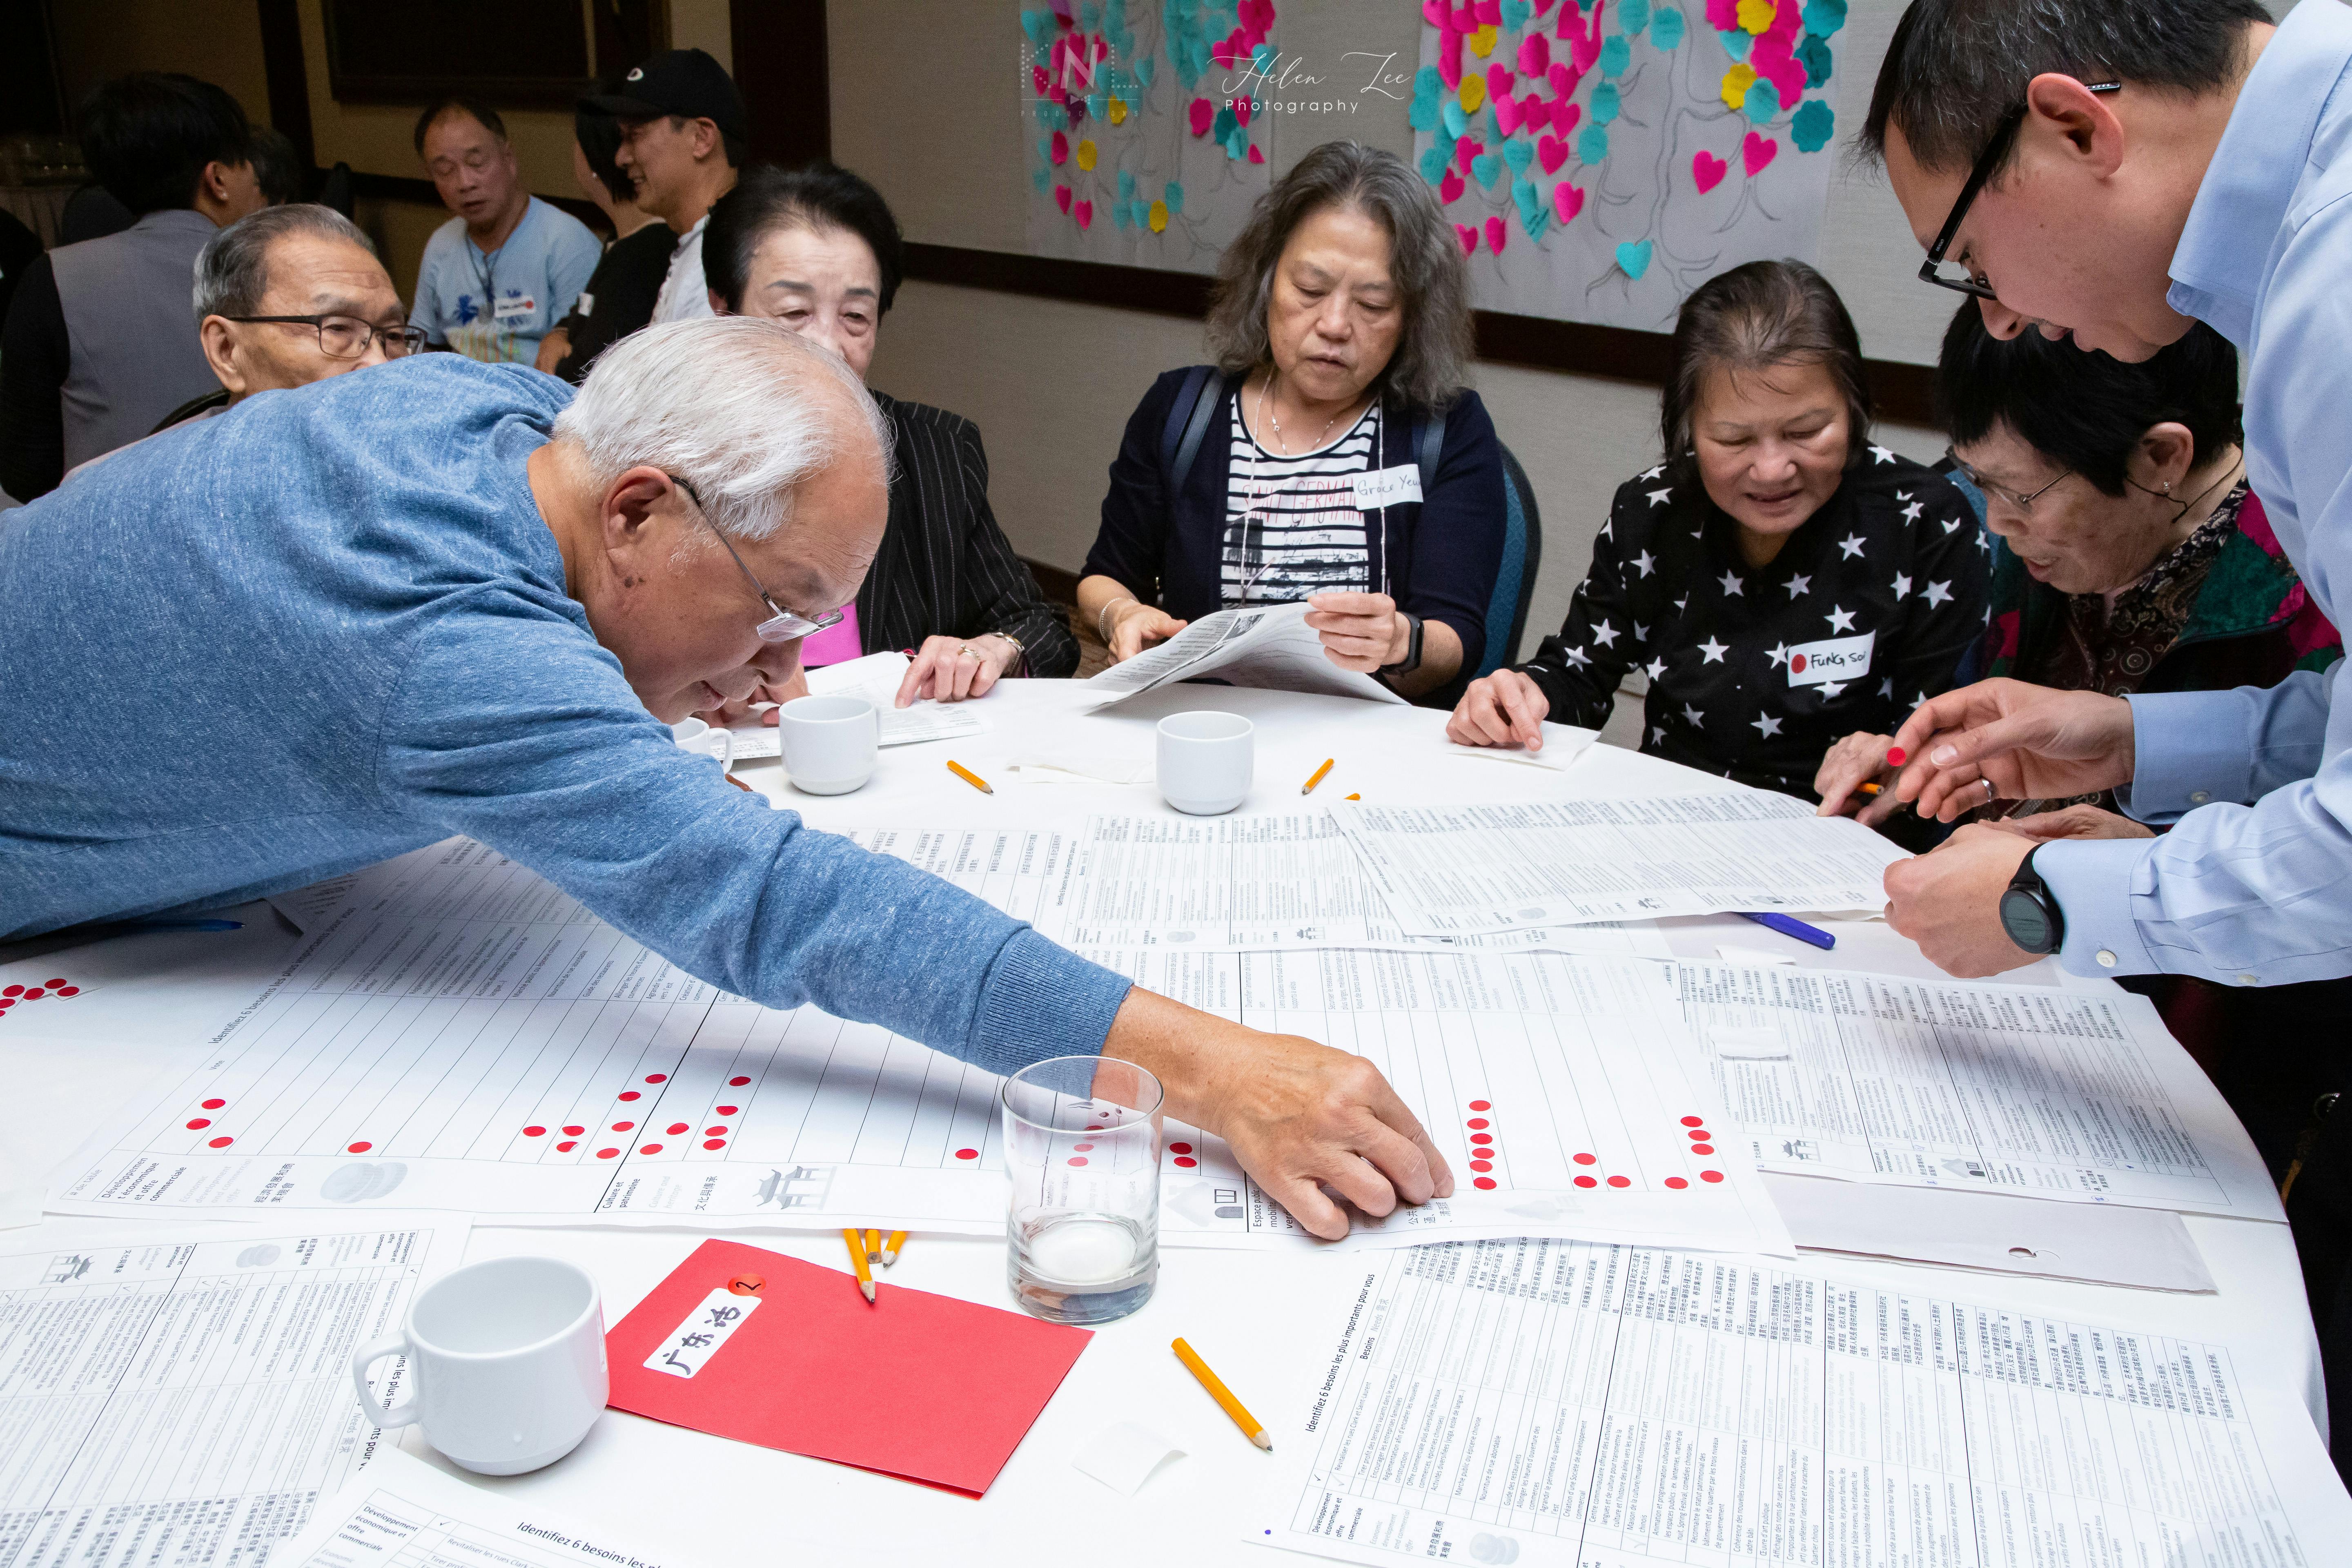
column 2073, row 822
column 2031, row 743
column 945, row 672
column 1948, row 901
column 1504, row 709
column 1299, row 1116
column 1132, row 626
column 1858, row 760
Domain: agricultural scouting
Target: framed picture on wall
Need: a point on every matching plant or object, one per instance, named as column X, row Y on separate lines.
column 539, row 54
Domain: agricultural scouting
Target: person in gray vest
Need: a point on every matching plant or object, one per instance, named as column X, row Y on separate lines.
column 99, row 344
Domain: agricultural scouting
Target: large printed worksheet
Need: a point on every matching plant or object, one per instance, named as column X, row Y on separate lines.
column 1464, row 869
column 461, row 1034
column 1268, row 645
column 1558, row 1404
column 2042, row 1092
column 1278, row 880
column 184, row 1396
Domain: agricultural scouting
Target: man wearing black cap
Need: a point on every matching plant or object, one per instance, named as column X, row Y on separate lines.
column 682, row 135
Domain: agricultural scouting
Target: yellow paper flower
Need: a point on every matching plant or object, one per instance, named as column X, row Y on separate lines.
column 1086, row 152
column 1754, row 15
column 1482, row 42
column 1118, row 111
column 1736, row 83
column 1159, row 216
column 1472, row 94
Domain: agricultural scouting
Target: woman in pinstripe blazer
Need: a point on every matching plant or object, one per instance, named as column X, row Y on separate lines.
column 817, row 249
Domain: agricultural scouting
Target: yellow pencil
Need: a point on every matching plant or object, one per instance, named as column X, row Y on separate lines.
column 891, row 1248
column 970, row 777
column 1221, row 1394
column 1308, row 787
column 1868, row 788
column 873, row 1246
column 858, row 1260
column 1355, row 797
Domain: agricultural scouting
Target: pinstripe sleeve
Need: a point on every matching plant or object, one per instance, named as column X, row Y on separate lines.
column 1005, row 594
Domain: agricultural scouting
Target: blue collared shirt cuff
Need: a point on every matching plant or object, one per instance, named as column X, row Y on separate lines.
column 2092, row 881
column 2188, row 748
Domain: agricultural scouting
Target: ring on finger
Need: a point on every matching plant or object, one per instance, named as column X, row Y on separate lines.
column 968, row 651
column 1991, row 795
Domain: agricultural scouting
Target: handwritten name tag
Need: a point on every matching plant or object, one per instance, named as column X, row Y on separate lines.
column 1388, row 487
column 515, row 306
column 707, row 1327
column 1837, row 658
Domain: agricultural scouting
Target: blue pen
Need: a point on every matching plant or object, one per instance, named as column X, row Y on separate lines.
column 182, row 925
column 1788, row 927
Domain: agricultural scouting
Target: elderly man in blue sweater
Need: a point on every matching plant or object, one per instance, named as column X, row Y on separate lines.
column 450, row 597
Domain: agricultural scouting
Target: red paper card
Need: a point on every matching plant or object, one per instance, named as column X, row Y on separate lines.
column 923, row 1386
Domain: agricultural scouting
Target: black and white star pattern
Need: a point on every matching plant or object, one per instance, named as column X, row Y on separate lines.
column 1876, row 558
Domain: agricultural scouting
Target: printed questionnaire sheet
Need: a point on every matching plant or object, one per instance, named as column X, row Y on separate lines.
column 1559, row 1403
column 463, row 1035
column 1280, row 881
column 2008, row 1089
column 1464, row 870
column 1268, row 645
column 184, row 1395
column 401, row 1512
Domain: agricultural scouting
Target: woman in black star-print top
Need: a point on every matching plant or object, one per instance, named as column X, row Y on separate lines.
column 1783, row 583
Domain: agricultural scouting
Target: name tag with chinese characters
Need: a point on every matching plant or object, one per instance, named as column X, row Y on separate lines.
column 1388, row 487
column 1837, row 658
column 697, row 1339
column 516, row 305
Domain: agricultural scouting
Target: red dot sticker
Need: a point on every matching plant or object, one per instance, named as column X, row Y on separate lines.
column 657, row 1077
column 200, row 1123
column 1710, row 1175
column 650, row 1149
column 967, row 1153
column 630, row 1094
column 215, row 1104
column 1676, row 1182
column 1481, row 1105
column 34, row 995
column 534, row 1132
column 1480, row 1166
column 1083, row 1148
column 1484, row 1183
column 53, row 985
column 361, row 1147
column 713, row 1131
column 1584, row 1160
column 1586, row 1182
column 1179, row 1148
column 1475, row 1123
column 7, row 1001
column 737, row 1082
column 1078, row 1159
column 725, row 1110
column 1620, row 1180
column 69, row 990
column 622, row 1126
column 1186, row 1161
column 1482, row 1137
column 714, row 1143
column 566, row 1147
column 1702, row 1148
column 12, row 991
column 222, row 1142
column 1694, row 1121
column 608, row 1153
column 1697, row 1135
column 1487, row 1154
column 675, row 1127
column 575, row 1131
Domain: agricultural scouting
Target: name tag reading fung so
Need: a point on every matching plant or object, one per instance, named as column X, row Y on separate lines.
column 1387, row 487
column 1837, row 658
column 697, row 1339
column 516, row 305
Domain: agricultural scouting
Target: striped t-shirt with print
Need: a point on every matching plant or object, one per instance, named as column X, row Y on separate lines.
column 1291, row 527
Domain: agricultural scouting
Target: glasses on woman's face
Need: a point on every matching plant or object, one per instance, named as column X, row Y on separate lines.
column 2017, row 500
column 347, row 337
column 782, row 625
column 1960, row 279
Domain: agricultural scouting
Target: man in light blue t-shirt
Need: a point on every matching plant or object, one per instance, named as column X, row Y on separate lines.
column 498, row 277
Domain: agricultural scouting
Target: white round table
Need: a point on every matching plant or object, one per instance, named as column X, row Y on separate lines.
column 704, row 1498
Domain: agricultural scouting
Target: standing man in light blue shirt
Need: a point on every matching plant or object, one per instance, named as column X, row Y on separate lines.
column 498, row 276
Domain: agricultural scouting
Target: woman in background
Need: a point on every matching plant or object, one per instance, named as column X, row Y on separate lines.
column 619, row 298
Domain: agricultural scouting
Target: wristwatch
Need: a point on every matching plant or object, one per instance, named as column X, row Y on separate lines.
column 2028, row 912
column 1412, row 659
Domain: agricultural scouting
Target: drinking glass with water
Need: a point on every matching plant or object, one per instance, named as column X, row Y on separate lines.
column 1081, row 1150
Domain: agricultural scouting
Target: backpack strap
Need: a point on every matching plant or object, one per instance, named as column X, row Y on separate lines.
column 1430, row 441
column 1188, row 421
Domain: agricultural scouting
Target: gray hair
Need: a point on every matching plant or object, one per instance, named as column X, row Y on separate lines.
column 232, row 269
column 735, row 405
column 1432, row 354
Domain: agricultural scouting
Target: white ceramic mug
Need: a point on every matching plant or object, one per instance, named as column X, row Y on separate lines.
column 829, row 743
column 1204, row 761
column 697, row 736
column 506, row 1363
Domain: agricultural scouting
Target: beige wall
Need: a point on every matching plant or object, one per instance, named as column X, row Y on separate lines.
column 219, row 40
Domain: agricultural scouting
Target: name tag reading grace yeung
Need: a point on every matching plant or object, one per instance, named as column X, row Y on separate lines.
column 1837, row 658
column 1388, row 487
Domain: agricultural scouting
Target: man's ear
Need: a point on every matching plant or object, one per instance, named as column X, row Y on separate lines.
column 706, row 139
column 219, row 338
column 639, row 514
column 2060, row 108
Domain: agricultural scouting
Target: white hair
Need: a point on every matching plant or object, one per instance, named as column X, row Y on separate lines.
column 736, row 406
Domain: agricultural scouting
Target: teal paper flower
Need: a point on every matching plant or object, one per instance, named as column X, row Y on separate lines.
column 1814, row 126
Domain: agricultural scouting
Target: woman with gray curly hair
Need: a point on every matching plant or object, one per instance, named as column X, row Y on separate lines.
column 1331, row 454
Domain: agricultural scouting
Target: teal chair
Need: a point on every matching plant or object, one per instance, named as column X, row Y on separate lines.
column 1515, row 582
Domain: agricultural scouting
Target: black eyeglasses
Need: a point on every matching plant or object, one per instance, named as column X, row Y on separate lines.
column 2021, row 500
column 782, row 625
column 1961, row 281
column 347, row 337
